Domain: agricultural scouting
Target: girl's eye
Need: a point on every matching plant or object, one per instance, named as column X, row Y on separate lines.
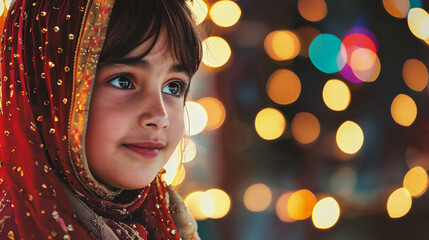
column 123, row 82
column 175, row 88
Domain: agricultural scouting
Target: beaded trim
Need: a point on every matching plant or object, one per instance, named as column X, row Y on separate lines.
column 89, row 46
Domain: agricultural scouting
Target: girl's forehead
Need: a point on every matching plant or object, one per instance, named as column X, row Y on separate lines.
column 159, row 47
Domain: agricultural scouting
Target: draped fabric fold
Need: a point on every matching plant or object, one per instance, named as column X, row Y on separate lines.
column 49, row 55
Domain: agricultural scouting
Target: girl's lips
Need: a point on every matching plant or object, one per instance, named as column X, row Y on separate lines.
column 148, row 149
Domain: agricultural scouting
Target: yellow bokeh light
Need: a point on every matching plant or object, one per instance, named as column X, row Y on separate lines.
column 416, row 181
column 216, row 52
column 225, row 13
column 349, row 137
column 326, row 213
column 257, row 197
column 284, row 87
column 192, row 202
column 300, row 204
column 222, row 203
column 415, row 74
column 282, row 45
column 397, row 8
column 2, row 7
column 213, row 203
column 8, row 2
column 281, row 208
column 399, row 203
column 365, row 64
column 270, row 123
column 172, row 166
column 312, row 10
column 190, row 151
column 363, row 59
column 200, row 10
column 418, row 22
column 215, row 111
column 195, row 118
column 403, row 110
column 305, row 127
column 207, row 204
column 336, row 95
column 180, row 176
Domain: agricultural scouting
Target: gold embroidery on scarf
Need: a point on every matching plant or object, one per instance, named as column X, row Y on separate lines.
column 89, row 46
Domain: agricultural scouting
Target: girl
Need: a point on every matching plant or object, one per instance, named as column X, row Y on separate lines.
column 92, row 105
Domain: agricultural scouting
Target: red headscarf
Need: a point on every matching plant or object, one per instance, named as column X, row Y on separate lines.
column 50, row 50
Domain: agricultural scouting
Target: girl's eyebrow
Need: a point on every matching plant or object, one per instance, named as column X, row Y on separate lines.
column 141, row 63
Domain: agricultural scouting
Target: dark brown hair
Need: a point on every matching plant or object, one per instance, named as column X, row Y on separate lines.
column 133, row 22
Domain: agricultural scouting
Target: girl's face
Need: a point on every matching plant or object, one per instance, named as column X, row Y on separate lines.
column 136, row 116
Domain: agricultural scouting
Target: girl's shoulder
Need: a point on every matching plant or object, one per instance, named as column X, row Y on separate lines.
column 8, row 227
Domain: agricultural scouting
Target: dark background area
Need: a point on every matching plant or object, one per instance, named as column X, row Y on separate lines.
column 241, row 157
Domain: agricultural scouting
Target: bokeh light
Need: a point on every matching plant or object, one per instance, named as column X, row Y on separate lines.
column 195, row 118
column 418, row 22
column 220, row 201
column 336, row 95
column 359, row 37
column 350, row 137
column 8, row 2
column 397, row 8
column 225, row 13
column 415, row 74
column 270, row 123
column 313, row 10
column 215, row 112
column 180, row 176
column 190, row 151
column 2, row 7
column 192, row 202
column 207, row 204
column 326, row 53
column 399, row 203
column 403, row 110
column 305, row 127
column 282, row 45
column 216, row 52
column 306, row 35
column 213, row 203
column 172, row 167
column 284, row 86
column 300, row 204
column 360, row 42
column 257, row 197
column 365, row 65
column 416, row 181
column 281, row 208
column 326, row 213
column 200, row 10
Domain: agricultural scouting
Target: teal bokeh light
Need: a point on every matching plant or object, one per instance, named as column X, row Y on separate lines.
column 416, row 4
column 325, row 53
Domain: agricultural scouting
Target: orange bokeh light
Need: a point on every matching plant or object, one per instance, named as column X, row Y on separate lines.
column 313, row 10
column 415, row 74
column 284, row 87
column 305, row 127
column 397, row 8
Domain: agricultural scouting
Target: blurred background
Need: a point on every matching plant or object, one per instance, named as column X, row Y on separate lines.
column 309, row 119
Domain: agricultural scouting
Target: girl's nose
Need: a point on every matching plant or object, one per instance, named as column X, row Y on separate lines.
column 153, row 113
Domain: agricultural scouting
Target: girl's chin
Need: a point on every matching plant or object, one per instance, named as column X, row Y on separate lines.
column 134, row 185
column 114, row 186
